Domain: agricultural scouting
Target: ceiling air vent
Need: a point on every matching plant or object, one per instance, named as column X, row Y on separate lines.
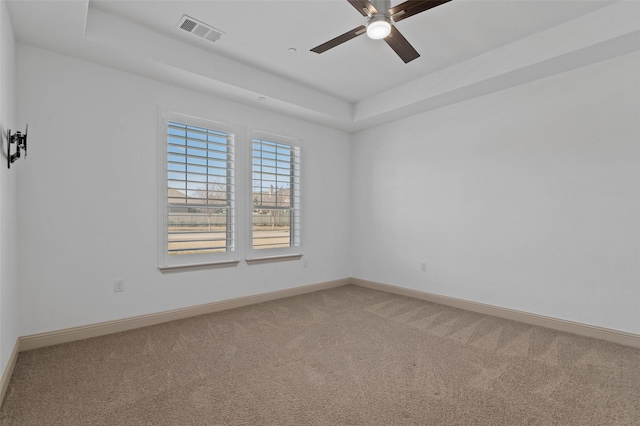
column 199, row 29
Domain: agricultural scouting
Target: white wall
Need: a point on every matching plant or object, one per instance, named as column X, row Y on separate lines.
column 527, row 198
column 8, row 200
column 88, row 197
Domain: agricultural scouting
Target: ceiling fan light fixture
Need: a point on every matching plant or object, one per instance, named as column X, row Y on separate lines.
column 378, row 27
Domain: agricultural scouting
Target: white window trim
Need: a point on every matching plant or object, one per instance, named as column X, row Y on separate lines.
column 166, row 262
column 256, row 256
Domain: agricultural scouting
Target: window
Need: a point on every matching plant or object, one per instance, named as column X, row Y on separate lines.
column 209, row 178
column 275, row 196
column 199, row 197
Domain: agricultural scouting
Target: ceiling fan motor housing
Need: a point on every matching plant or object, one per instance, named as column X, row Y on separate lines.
column 382, row 6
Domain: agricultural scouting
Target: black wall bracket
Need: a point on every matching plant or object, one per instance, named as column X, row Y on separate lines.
column 21, row 144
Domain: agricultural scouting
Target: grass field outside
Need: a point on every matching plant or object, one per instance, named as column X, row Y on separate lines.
column 195, row 239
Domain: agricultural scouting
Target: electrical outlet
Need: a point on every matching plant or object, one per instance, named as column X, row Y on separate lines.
column 305, row 264
column 118, row 285
column 423, row 267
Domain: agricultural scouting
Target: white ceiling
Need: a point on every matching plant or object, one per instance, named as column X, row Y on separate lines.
column 467, row 47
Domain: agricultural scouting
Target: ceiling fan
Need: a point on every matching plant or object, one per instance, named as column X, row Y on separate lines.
column 380, row 19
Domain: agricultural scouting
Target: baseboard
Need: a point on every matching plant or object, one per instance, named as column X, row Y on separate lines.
column 40, row 340
column 610, row 335
column 8, row 370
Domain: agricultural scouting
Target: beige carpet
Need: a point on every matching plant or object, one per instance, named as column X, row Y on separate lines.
column 346, row 356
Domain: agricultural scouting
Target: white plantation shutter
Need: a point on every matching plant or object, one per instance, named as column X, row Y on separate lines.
column 199, row 191
column 275, row 194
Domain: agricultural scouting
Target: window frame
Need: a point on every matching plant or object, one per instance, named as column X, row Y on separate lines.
column 230, row 257
column 254, row 255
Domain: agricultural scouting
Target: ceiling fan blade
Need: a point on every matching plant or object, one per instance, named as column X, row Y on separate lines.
column 401, row 46
column 413, row 7
column 363, row 6
column 340, row 39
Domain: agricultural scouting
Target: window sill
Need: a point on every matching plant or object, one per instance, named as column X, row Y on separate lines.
column 196, row 266
column 280, row 258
